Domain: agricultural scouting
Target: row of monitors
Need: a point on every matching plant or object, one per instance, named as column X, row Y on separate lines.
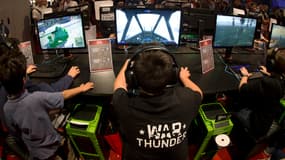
column 135, row 26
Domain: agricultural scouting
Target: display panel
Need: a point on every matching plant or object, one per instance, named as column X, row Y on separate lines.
column 277, row 36
column 135, row 26
column 65, row 31
column 234, row 31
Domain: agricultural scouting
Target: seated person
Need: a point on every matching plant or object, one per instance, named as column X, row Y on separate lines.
column 154, row 123
column 26, row 114
column 259, row 104
column 60, row 85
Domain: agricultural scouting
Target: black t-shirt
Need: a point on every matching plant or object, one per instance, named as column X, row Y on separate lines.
column 155, row 127
column 262, row 97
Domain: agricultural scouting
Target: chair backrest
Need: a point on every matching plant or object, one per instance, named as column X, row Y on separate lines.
column 18, row 148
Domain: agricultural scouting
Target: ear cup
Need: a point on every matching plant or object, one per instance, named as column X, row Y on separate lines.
column 131, row 79
column 271, row 60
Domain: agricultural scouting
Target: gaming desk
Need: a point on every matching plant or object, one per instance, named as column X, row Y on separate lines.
column 214, row 81
column 211, row 82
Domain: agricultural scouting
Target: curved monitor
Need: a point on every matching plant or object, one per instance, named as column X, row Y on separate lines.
column 63, row 31
column 135, row 26
column 234, row 31
column 277, row 37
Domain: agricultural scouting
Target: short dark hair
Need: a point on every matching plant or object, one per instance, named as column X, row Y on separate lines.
column 13, row 67
column 153, row 70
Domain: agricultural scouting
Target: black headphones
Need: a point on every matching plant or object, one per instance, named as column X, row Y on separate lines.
column 131, row 79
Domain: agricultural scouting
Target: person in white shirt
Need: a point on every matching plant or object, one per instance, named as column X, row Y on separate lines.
column 40, row 8
column 65, row 4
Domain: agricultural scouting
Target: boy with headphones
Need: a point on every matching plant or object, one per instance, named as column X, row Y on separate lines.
column 154, row 118
column 26, row 113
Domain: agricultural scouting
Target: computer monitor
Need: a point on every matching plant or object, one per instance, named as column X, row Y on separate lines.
column 197, row 22
column 62, row 32
column 135, row 26
column 234, row 31
column 277, row 37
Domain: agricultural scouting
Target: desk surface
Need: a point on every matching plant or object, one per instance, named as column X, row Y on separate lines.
column 214, row 81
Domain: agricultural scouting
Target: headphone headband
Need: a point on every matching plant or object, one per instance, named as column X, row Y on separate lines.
column 131, row 78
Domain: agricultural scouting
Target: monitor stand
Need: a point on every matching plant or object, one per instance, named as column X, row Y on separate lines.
column 228, row 55
column 67, row 55
column 62, row 56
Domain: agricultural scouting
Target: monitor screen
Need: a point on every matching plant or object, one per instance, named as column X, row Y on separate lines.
column 277, row 36
column 64, row 31
column 135, row 26
column 234, row 31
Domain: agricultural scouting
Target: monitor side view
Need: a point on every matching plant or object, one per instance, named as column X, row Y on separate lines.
column 277, row 37
column 197, row 22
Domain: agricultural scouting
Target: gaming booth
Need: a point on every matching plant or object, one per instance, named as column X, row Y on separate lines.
column 63, row 43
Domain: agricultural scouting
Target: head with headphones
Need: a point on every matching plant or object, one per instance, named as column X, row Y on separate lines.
column 12, row 66
column 151, row 69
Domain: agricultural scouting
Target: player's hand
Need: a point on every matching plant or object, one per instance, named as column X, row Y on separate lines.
column 244, row 72
column 184, row 73
column 73, row 71
column 31, row 68
column 87, row 86
column 263, row 69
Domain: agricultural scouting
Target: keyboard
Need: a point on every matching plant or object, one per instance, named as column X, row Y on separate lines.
column 253, row 69
column 51, row 69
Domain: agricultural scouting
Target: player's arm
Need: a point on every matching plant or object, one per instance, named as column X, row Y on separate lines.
column 69, row 93
column 120, row 81
column 184, row 75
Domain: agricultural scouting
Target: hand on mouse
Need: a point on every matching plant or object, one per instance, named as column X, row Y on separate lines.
column 73, row 71
column 31, row 68
column 263, row 69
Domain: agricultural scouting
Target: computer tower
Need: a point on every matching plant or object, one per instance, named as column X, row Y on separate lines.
column 107, row 20
column 82, row 128
column 212, row 121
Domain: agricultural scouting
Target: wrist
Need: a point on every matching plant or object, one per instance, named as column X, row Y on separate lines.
column 245, row 75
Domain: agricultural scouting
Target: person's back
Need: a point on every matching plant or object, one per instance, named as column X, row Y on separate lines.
column 154, row 123
column 27, row 117
column 262, row 97
column 26, row 114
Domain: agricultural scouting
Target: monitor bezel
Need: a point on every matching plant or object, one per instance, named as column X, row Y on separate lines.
column 233, row 46
column 153, row 9
column 62, row 14
column 270, row 37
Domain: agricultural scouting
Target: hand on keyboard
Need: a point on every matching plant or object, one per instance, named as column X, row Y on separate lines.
column 31, row 68
column 73, row 71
